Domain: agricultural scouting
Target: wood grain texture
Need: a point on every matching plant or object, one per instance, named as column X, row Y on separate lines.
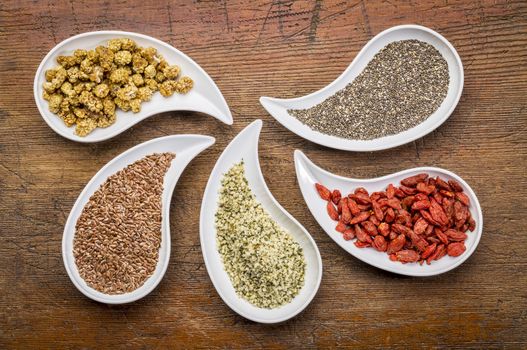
column 285, row 49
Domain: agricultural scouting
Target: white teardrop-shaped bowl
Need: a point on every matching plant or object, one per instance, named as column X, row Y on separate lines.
column 308, row 174
column 186, row 147
column 278, row 107
column 245, row 147
column 205, row 97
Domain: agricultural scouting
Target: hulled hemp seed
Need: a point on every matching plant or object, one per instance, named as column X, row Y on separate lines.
column 265, row 264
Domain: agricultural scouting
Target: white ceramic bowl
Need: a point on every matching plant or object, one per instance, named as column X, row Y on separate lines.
column 186, row 147
column 278, row 107
column 204, row 97
column 245, row 147
column 308, row 174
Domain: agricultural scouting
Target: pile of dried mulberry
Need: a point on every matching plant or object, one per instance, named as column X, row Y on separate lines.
column 87, row 87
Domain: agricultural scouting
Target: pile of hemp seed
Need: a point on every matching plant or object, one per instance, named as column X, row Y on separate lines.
column 265, row 264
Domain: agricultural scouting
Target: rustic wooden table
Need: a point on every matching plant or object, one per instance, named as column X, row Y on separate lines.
column 275, row 48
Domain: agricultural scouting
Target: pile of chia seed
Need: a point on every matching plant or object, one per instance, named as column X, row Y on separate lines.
column 400, row 87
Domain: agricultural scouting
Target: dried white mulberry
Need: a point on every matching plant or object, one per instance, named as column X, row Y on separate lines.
column 87, row 87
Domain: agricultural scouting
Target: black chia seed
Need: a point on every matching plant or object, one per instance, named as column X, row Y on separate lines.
column 400, row 87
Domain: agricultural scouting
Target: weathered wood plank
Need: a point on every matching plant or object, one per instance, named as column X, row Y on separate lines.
column 276, row 48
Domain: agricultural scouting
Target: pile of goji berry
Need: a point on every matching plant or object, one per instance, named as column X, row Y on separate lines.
column 422, row 220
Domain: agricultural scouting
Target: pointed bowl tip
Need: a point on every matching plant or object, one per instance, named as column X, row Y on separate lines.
column 257, row 124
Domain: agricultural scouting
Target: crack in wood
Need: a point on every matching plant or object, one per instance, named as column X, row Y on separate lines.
column 315, row 18
column 323, row 19
column 226, row 13
column 170, row 28
column 365, row 17
column 264, row 23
